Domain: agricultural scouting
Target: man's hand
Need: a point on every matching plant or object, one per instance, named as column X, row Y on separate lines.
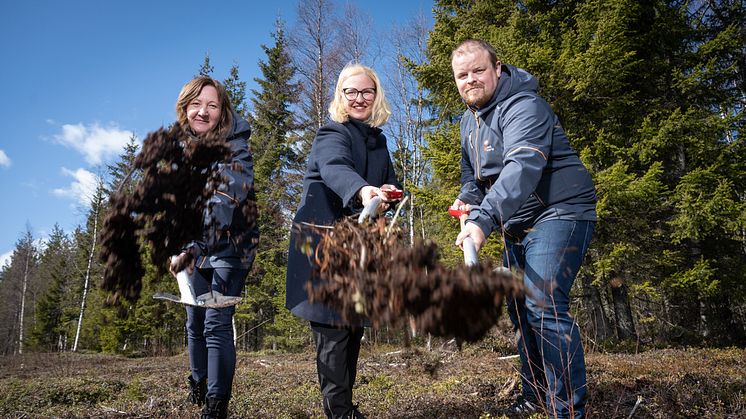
column 185, row 260
column 471, row 230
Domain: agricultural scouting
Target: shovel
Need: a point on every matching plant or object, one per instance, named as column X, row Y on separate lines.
column 371, row 210
column 212, row 299
column 470, row 252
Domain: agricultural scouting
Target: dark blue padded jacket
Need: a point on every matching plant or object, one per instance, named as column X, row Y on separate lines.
column 517, row 166
column 224, row 219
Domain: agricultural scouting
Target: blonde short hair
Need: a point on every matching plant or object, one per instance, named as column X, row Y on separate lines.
column 191, row 90
column 381, row 109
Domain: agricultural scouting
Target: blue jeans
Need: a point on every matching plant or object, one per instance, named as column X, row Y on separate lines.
column 212, row 353
column 552, row 360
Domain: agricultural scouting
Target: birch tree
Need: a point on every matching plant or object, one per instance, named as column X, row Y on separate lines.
column 96, row 206
column 17, row 278
column 357, row 37
column 410, row 120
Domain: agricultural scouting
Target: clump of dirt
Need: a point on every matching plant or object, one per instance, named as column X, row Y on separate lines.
column 366, row 271
column 166, row 209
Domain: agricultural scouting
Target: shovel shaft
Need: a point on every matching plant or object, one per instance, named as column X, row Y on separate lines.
column 370, row 210
column 470, row 252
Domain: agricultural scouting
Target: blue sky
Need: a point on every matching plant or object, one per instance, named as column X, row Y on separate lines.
column 83, row 76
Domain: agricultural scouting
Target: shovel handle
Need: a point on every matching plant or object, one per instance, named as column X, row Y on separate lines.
column 370, row 210
column 395, row 193
column 470, row 251
column 456, row 213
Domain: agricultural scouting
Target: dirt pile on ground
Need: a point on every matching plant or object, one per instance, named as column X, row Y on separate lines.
column 369, row 272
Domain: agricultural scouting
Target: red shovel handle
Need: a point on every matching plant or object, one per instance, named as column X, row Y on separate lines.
column 456, row 213
column 395, row 193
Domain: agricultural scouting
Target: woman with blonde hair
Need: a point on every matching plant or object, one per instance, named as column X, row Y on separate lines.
column 348, row 166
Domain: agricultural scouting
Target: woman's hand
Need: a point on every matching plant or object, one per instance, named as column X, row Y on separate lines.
column 185, row 260
column 461, row 205
column 367, row 193
column 392, row 192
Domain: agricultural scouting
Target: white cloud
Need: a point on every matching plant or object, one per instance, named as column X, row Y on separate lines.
column 94, row 142
column 40, row 243
column 4, row 159
column 5, row 258
column 81, row 189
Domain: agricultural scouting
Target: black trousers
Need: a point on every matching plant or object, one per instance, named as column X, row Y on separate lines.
column 337, row 350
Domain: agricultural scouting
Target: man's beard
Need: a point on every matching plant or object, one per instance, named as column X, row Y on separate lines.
column 476, row 96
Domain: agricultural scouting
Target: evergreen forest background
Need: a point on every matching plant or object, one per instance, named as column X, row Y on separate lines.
column 651, row 94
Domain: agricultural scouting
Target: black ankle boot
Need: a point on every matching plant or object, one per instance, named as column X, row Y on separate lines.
column 197, row 391
column 215, row 409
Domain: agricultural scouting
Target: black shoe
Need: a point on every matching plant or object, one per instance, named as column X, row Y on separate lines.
column 355, row 414
column 197, row 391
column 215, row 409
column 524, row 406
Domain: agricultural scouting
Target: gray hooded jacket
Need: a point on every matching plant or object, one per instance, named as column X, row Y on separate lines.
column 517, row 166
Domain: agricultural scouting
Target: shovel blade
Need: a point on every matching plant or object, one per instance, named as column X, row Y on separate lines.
column 212, row 299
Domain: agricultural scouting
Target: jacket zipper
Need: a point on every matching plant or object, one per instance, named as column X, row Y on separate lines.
column 475, row 147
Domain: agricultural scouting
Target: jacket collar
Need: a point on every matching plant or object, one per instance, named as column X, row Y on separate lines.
column 368, row 133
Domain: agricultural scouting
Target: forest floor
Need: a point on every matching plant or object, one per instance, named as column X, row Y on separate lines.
column 393, row 382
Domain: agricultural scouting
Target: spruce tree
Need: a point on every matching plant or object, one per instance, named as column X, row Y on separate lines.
column 651, row 96
column 273, row 125
column 206, row 68
column 122, row 176
column 237, row 91
column 19, row 281
column 53, row 308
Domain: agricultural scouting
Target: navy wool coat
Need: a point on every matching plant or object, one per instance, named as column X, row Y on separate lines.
column 344, row 158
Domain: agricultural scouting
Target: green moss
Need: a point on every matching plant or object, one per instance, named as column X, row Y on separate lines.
column 447, row 385
column 134, row 390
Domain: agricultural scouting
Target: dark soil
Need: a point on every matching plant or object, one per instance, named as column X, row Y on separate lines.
column 164, row 209
column 368, row 271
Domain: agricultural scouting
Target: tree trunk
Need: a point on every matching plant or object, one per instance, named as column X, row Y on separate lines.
column 601, row 327
column 625, row 326
column 87, row 274
column 23, row 301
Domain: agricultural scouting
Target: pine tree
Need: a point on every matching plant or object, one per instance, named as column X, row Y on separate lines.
column 206, row 68
column 122, row 175
column 651, row 95
column 237, row 91
column 273, row 123
column 52, row 309
column 16, row 291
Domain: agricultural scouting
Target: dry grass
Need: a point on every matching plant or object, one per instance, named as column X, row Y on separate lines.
column 392, row 383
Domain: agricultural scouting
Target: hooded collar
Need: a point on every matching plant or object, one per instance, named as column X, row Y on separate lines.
column 513, row 80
